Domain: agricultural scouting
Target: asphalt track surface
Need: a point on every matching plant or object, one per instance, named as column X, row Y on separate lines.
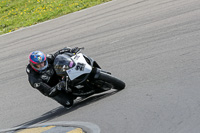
column 152, row 45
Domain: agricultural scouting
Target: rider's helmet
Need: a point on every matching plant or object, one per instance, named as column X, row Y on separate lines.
column 62, row 63
column 38, row 61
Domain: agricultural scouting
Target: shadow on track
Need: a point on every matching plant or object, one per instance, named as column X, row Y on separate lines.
column 57, row 112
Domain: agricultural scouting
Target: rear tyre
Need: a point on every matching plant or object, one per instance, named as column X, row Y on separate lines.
column 117, row 84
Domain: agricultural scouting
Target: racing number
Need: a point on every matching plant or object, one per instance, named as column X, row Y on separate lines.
column 80, row 66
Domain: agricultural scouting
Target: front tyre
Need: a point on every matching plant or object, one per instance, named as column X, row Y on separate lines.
column 117, row 84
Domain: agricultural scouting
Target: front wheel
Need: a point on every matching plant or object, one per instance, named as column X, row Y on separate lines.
column 117, row 84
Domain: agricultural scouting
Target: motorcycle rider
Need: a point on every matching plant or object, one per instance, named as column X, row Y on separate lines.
column 42, row 76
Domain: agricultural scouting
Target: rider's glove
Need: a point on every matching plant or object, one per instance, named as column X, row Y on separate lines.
column 61, row 85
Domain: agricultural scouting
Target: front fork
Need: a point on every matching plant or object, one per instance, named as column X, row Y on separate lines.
column 67, row 89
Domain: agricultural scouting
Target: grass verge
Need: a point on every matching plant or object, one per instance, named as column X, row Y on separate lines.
column 15, row 14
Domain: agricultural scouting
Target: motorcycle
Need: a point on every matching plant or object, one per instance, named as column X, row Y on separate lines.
column 83, row 75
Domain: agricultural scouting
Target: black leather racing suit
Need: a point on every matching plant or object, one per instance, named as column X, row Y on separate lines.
column 48, row 83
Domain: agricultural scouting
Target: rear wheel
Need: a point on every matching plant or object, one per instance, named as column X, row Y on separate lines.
column 116, row 83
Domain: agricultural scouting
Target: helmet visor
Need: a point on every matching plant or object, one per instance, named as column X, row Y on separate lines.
column 40, row 66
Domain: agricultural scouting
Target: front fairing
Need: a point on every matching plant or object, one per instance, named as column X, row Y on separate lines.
column 81, row 69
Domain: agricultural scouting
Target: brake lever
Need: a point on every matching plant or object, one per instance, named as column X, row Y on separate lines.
column 80, row 49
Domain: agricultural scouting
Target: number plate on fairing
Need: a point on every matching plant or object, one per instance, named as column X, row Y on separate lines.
column 81, row 67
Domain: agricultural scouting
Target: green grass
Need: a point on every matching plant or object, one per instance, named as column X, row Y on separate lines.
column 15, row 14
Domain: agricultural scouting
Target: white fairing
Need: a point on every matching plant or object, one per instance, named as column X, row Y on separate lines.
column 81, row 67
